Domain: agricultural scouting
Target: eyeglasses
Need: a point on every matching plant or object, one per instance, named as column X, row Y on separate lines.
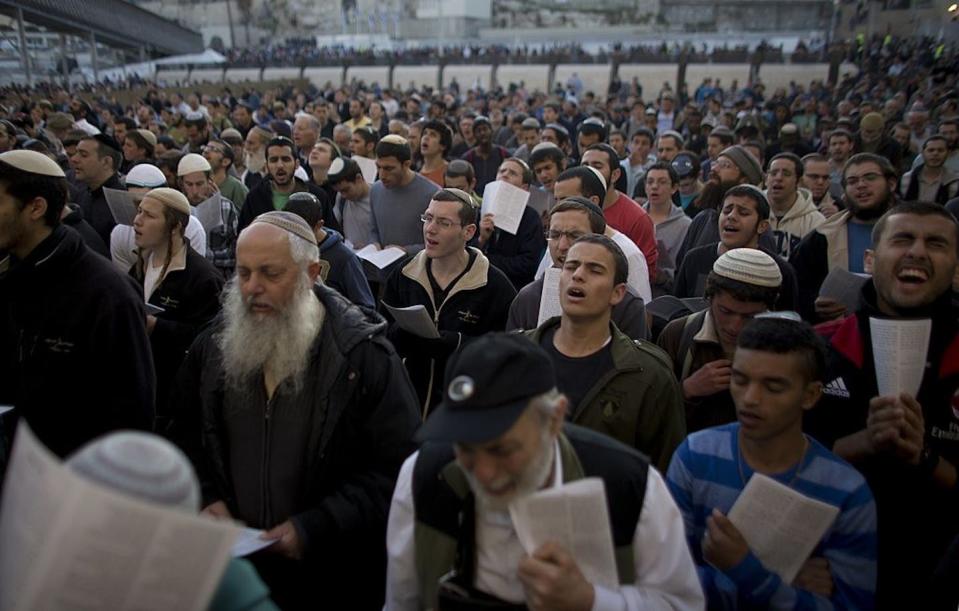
column 213, row 149
column 723, row 164
column 441, row 222
column 553, row 235
column 852, row 181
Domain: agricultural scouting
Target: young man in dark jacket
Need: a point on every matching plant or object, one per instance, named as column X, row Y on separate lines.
column 906, row 442
column 305, row 415
column 462, row 292
column 273, row 192
column 74, row 351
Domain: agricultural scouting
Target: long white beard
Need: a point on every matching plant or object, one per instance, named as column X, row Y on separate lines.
column 255, row 162
column 528, row 482
column 280, row 342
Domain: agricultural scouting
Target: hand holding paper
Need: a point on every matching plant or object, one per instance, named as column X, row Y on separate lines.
column 507, row 203
column 414, row 319
column 553, row 580
column 781, row 526
column 574, row 517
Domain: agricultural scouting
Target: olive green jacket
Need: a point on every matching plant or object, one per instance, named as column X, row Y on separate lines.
column 638, row 402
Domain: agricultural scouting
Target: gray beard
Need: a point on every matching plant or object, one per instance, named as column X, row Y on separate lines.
column 280, row 342
column 255, row 162
column 528, row 482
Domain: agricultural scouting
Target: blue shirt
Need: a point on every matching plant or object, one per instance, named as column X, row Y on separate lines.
column 708, row 473
column 860, row 238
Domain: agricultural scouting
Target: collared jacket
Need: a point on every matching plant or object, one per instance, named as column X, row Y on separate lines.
column 638, row 402
column 477, row 304
column 909, row 185
column 74, row 353
column 691, row 342
column 324, row 456
column 189, row 294
column 916, row 517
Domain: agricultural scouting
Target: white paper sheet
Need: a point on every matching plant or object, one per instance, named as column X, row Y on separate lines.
column 71, row 544
column 153, row 310
column 367, row 166
column 781, row 526
column 209, row 214
column 414, row 319
column 122, row 205
column 549, row 305
column 250, row 542
column 381, row 258
column 899, row 350
column 506, row 203
column 844, row 287
column 575, row 516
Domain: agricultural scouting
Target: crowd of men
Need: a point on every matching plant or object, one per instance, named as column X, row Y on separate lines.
column 691, row 345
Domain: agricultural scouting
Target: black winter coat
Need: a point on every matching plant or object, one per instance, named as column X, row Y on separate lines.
column 325, row 457
column 190, row 298
column 74, row 355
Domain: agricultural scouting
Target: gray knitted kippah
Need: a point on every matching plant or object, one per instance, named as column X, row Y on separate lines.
column 142, row 465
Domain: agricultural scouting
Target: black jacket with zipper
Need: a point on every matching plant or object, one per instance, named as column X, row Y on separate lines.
column 477, row 304
column 260, row 201
column 74, row 355
column 324, row 456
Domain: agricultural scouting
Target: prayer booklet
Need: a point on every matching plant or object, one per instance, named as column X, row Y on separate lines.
column 575, row 516
column 844, row 287
column 380, row 258
column 899, row 350
column 414, row 319
column 549, row 305
column 367, row 166
column 781, row 526
column 208, row 213
column 72, row 544
column 249, row 542
column 506, row 203
column 123, row 205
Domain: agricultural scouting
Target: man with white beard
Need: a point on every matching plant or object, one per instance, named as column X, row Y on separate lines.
column 499, row 435
column 254, row 157
column 304, row 414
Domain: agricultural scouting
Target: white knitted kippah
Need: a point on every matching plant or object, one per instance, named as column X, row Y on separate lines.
column 288, row 221
column 749, row 266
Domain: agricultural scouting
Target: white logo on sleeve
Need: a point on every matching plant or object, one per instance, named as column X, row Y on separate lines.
column 836, row 388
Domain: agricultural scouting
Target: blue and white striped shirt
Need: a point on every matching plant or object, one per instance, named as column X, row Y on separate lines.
column 705, row 474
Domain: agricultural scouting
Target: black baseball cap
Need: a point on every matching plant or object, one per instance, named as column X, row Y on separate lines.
column 489, row 384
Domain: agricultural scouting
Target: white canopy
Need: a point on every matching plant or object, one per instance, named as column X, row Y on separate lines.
column 207, row 57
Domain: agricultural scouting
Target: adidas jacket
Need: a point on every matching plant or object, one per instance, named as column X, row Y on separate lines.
column 916, row 518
